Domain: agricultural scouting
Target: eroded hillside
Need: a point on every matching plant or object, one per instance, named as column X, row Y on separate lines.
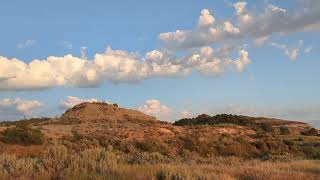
column 132, row 132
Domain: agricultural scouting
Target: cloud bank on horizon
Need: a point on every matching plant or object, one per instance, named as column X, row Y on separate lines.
column 207, row 49
column 13, row 107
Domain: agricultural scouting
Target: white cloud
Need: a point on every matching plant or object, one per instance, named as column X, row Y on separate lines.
column 71, row 101
column 214, row 63
column 113, row 65
column 27, row 43
column 206, row 18
column 15, row 108
column 120, row 66
column 229, row 28
column 249, row 25
column 154, row 107
column 185, row 114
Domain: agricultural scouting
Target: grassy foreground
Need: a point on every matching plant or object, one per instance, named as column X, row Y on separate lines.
column 101, row 163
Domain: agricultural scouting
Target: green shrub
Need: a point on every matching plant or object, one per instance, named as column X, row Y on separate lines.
column 311, row 151
column 266, row 127
column 284, row 130
column 265, row 156
column 162, row 174
column 22, row 135
column 146, row 145
column 311, row 132
column 24, row 122
column 259, row 144
column 288, row 142
column 205, row 119
column 76, row 136
column 300, row 138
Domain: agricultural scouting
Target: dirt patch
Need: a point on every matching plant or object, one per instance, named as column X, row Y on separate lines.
column 98, row 112
column 56, row 131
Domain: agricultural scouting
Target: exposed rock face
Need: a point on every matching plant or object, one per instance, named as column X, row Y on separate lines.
column 97, row 111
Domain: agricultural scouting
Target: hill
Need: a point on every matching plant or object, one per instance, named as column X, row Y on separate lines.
column 140, row 139
column 98, row 111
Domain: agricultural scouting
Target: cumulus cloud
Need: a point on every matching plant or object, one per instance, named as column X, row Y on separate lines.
column 27, row 43
column 206, row 18
column 248, row 25
column 15, row 108
column 213, row 63
column 113, row 65
column 210, row 51
column 71, row 101
column 185, row 114
column 154, row 107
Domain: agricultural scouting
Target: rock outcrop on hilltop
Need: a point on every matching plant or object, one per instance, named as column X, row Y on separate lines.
column 99, row 111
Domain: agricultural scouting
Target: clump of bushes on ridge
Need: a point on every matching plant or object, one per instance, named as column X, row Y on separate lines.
column 226, row 119
column 217, row 119
column 22, row 135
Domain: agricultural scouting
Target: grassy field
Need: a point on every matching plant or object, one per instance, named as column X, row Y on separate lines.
column 100, row 163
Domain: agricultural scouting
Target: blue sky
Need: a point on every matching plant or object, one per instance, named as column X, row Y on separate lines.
column 273, row 83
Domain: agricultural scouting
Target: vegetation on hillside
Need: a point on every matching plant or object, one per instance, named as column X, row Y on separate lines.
column 205, row 119
column 206, row 147
column 217, row 119
column 22, row 135
column 24, row 122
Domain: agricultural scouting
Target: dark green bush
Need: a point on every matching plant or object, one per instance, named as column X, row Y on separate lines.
column 311, row 151
column 162, row 174
column 266, row 127
column 259, row 144
column 217, row 119
column 76, row 136
column 311, row 132
column 284, row 130
column 24, row 122
column 288, row 142
column 147, row 145
column 22, row 135
column 300, row 138
column 265, row 156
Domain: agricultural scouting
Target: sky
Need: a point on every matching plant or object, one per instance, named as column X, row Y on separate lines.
column 170, row 59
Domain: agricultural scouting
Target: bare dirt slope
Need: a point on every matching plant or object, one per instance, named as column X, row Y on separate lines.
column 97, row 111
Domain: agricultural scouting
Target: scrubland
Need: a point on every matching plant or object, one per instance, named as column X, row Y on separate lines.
column 125, row 144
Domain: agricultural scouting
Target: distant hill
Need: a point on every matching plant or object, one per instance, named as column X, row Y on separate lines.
column 134, row 132
column 98, row 111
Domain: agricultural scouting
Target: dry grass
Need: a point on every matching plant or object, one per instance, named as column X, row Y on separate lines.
column 99, row 163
